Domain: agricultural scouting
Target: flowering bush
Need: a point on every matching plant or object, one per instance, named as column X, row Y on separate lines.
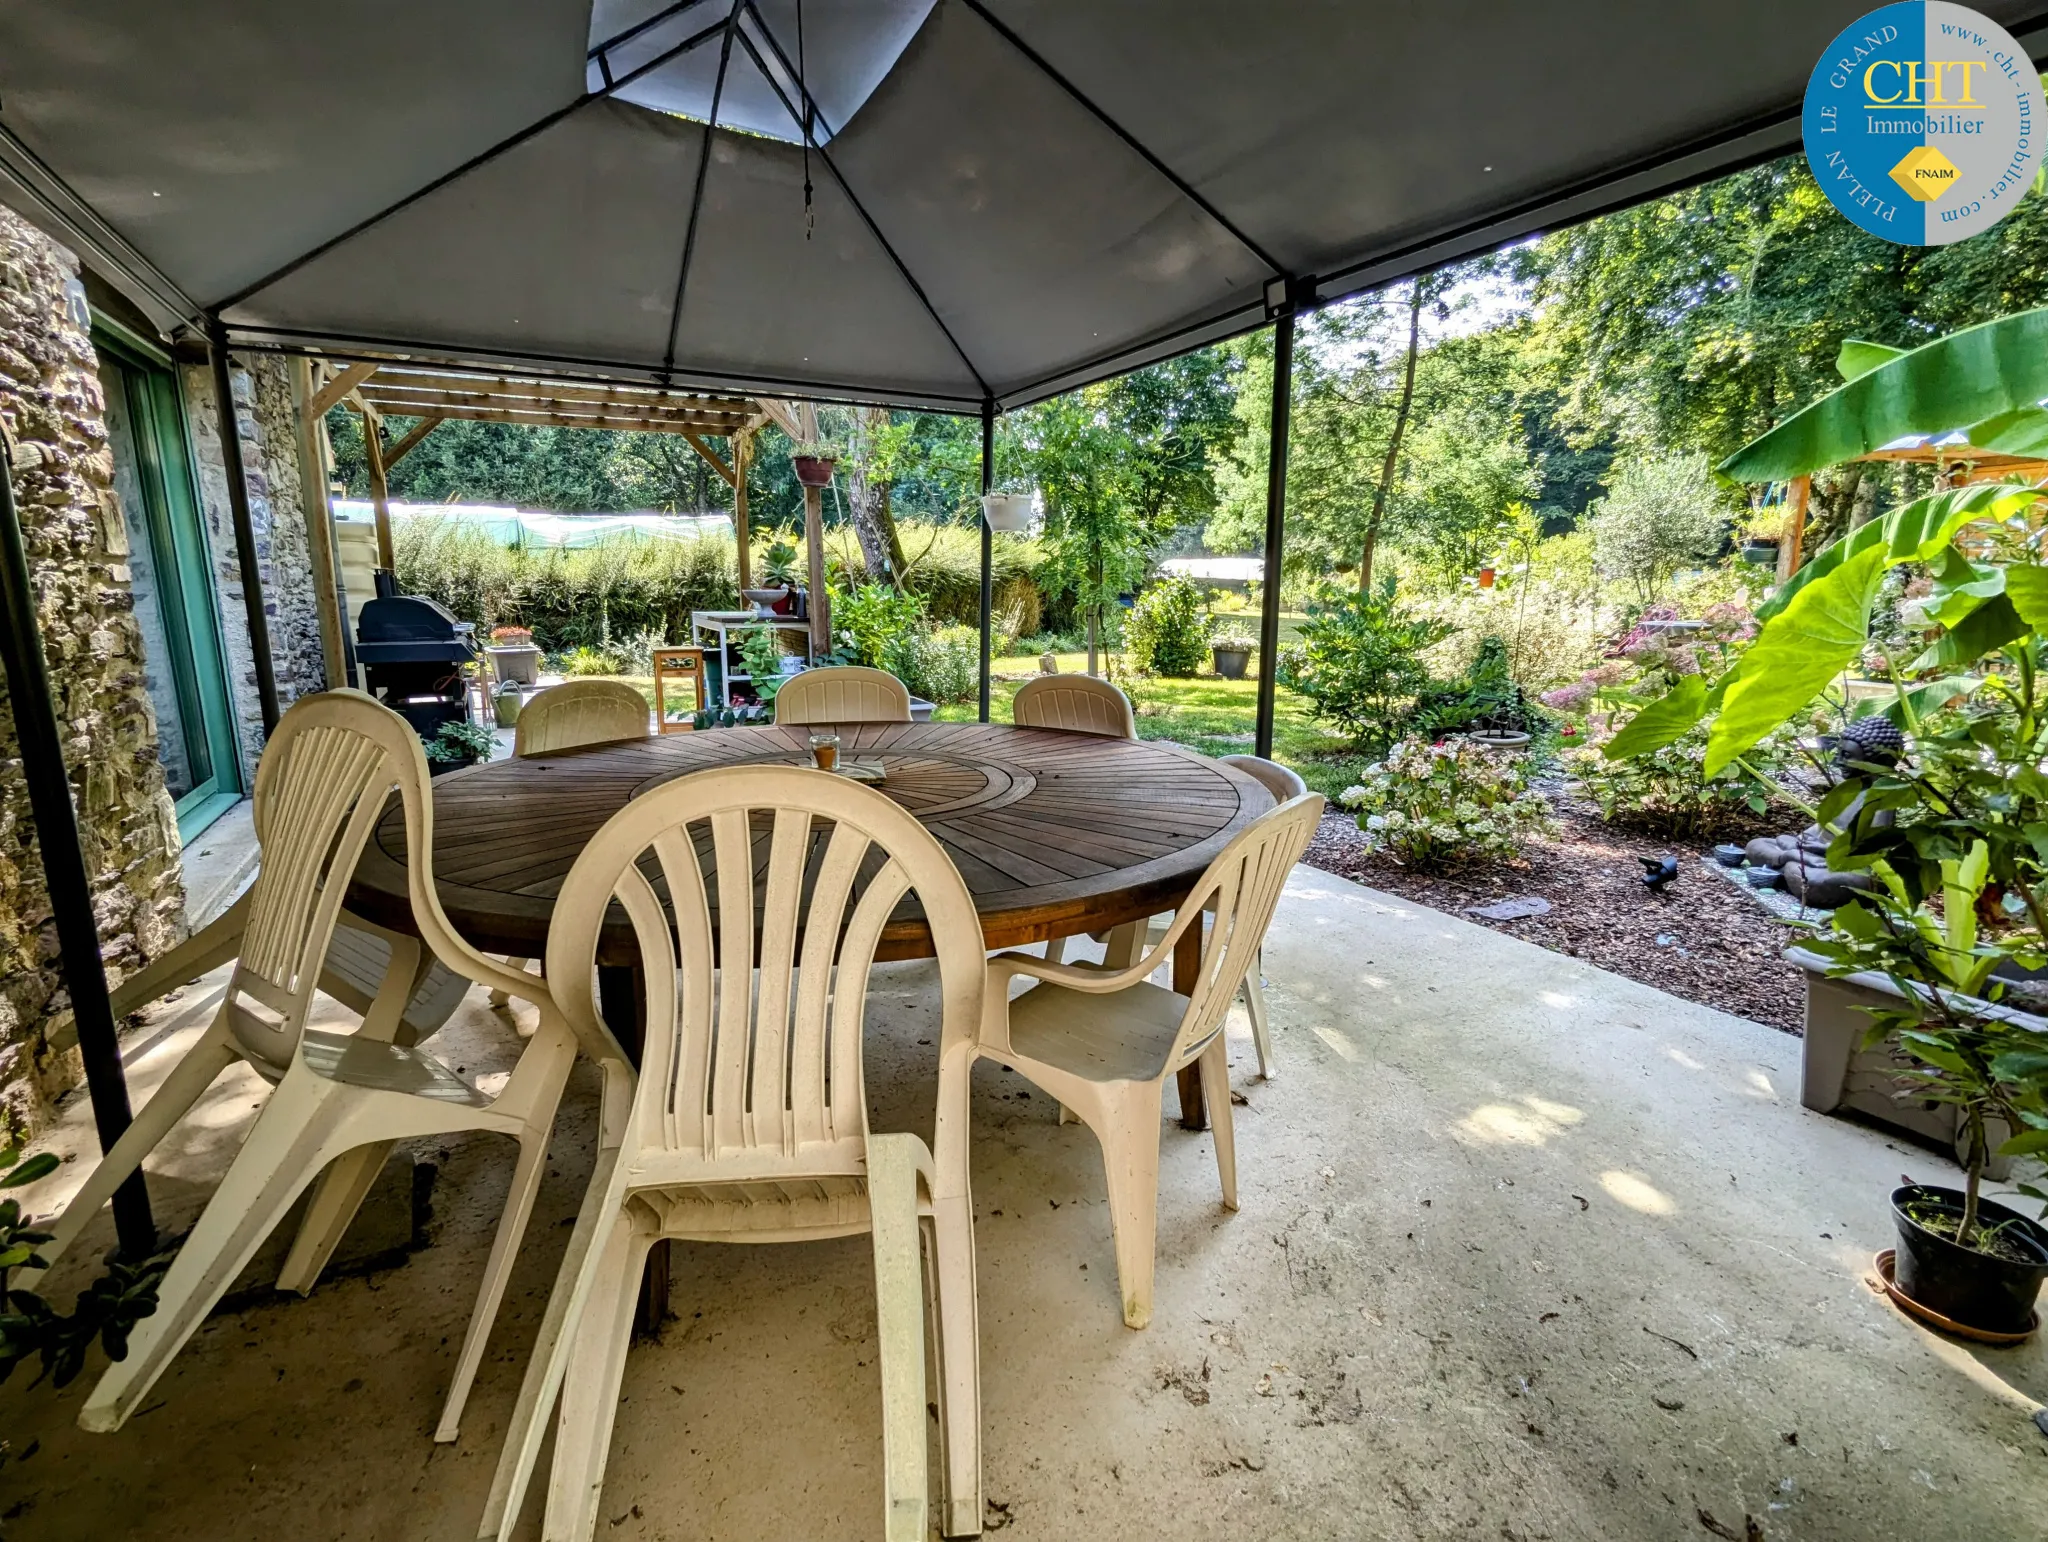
column 1432, row 806
column 1666, row 792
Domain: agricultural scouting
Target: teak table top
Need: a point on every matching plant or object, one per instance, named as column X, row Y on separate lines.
column 1056, row 833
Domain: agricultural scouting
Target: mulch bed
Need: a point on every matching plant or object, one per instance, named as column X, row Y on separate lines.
column 1702, row 938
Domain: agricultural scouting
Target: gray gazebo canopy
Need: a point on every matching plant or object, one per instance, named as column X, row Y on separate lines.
column 1010, row 197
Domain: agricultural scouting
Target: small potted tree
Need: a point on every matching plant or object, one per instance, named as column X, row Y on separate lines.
column 1231, row 649
column 513, row 655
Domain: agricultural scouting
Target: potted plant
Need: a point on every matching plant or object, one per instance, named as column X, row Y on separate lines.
column 1230, row 650
column 814, row 463
column 1962, row 1260
column 1009, row 511
column 1762, row 533
column 779, row 571
column 458, row 744
column 513, row 655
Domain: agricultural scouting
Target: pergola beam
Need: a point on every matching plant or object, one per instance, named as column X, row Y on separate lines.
column 336, row 390
column 411, row 439
column 402, row 378
column 712, row 457
column 543, row 417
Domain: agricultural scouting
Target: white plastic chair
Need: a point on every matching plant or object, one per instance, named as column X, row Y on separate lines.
column 749, row 1123
column 568, row 717
column 1079, row 703
column 849, row 693
column 1104, row 1040
column 402, row 993
column 579, row 712
column 1283, row 784
column 326, row 779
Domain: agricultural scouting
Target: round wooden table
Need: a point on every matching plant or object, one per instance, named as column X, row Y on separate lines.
column 1055, row 833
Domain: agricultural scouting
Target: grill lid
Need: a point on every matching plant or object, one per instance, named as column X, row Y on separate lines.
column 405, row 628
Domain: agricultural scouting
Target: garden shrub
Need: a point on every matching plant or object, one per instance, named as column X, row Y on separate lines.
column 868, row 622
column 1435, row 806
column 1166, row 632
column 1486, row 697
column 1666, row 793
column 1359, row 661
column 941, row 665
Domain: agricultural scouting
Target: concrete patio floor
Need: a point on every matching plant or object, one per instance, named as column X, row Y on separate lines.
column 1527, row 1251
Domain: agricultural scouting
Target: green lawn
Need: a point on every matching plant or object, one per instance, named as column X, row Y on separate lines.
column 1206, row 713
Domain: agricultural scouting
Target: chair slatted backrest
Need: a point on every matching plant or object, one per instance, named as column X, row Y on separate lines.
column 579, row 712
column 849, row 693
column 324, row 779
column 1080, row 703
column 1242, row 887
column 784, row 879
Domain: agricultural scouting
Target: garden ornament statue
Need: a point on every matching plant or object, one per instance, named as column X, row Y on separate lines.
column 1801, row 861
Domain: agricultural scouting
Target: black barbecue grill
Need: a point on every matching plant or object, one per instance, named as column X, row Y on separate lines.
column 413, row 652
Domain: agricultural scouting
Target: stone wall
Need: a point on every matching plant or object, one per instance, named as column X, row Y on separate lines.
column 270, row 458
column 51, row 402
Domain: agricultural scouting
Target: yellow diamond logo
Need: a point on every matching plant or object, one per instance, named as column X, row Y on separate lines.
column 1925, row 173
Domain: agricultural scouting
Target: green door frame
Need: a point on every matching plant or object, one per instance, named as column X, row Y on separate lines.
column 175, row 531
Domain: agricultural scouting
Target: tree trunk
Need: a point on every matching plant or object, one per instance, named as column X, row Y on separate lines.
column 1379, row 497
column 867, row 498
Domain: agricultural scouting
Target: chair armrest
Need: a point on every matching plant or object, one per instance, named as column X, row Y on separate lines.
column 208, row 948
column 1096, row 980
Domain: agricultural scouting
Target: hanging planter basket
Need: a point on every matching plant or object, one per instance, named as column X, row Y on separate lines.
column 1007, row 511
column 814, row 470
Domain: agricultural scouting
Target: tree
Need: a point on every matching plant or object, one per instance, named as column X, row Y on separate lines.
column 1660, row 513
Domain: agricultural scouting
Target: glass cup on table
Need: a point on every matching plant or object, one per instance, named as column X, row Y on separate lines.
column 825, row 748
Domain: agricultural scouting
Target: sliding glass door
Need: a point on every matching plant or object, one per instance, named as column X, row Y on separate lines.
column 184, row 668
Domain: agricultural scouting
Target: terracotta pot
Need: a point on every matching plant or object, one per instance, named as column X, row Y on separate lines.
column 814, row 470
column 1486, row 578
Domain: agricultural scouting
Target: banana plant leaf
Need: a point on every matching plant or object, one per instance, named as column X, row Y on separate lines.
column 1859, row 358
column 1792, row 660
column 1917, row 532
column 2023, row 431
column 1964, row 378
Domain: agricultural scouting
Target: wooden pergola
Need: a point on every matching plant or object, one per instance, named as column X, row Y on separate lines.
column 376, row 389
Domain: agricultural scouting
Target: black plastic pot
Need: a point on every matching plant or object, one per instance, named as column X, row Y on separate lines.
column 1963, row 1285
column 1760, row 553
column 1231, row 662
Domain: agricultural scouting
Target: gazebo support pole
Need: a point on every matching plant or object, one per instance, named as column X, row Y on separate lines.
column 988, row 539
column 742, row 525
column 814, row 550
column 245, row 529
column 49, row 792
column 1276, row 511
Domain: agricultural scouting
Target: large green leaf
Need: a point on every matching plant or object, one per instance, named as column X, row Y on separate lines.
column 1991, row 625
column 1956, row 380
column 2027, row 587
column 1915, row 532
column 1798, row 652
column 1664, row 721
column 1859, row 358
column 2023, row 431
column 1960, row 586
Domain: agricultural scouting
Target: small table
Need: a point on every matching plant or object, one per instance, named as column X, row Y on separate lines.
column 677, row 664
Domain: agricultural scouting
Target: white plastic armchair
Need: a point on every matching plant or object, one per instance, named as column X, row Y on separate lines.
column 843, row 693
column 579, row 712
column 1282, row 782
column 1104, row 1040
column 1079, row 703
column 749, row 1123
column 567, row 717
column 340, row 1099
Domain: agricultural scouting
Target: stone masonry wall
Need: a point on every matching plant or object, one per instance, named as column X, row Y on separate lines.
column 268, row 427
column 50, row 399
